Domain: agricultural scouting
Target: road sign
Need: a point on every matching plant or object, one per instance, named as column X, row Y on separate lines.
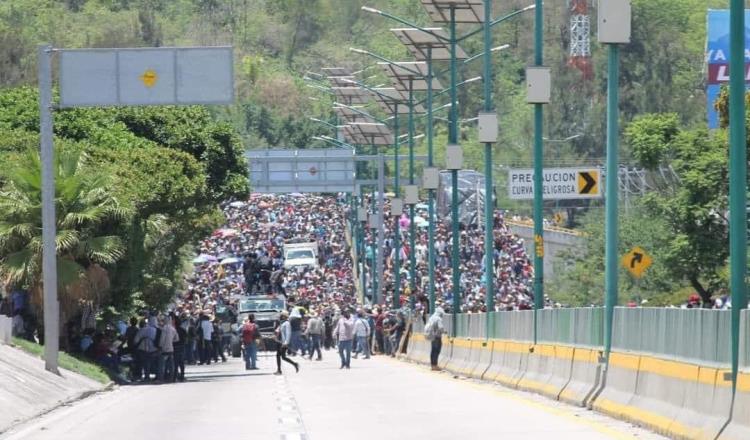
column 636, row 261
column 146, row 76
column 303, row 171
column 559, row 183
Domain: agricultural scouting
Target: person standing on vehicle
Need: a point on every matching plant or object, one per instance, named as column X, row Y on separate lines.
column 361, row 332
column 315, row 328
column 433, row 331
column 344, row 333
column 284, row 337
column 250, row 335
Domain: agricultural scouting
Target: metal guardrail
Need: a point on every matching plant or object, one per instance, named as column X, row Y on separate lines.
column 692, row 335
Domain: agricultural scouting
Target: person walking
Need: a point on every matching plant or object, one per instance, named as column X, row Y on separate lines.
column 179, row 349
column 344, row 333
column 433, row 331
column 146, row 344
column 206, row 333
column 315, row 330
column 250, row 335
column 362, row 333
column 284, row 338
column 167, row 339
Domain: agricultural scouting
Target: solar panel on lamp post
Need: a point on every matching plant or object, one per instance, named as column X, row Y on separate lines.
column 452, row 12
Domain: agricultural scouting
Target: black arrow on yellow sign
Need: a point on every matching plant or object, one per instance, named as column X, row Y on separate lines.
column 587, row 182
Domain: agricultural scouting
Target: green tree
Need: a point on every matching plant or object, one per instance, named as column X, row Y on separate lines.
column 85, row 207
column 695, row 206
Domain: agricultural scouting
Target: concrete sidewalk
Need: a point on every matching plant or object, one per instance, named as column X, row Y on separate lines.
column 28, row 390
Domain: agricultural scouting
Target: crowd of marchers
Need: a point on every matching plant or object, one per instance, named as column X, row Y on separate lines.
column 512, row 267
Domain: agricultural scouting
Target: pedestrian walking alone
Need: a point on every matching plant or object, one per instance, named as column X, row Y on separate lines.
column 344, row 333
column 250, row 335
column 362, row 333
column 284, row 337
column 433, row 331
column 315, row 329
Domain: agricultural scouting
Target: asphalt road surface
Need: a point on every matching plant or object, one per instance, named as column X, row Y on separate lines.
column 380, row 398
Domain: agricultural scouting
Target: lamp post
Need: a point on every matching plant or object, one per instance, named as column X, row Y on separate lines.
column 614, row 29
column 538, row 173
column 737, row 177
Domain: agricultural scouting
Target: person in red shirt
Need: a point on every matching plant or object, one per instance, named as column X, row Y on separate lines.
column 250, row 335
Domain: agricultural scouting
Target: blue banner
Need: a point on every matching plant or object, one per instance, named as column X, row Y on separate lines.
column 717, row 57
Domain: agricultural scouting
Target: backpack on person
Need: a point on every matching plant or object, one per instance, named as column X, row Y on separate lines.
column 431, row 330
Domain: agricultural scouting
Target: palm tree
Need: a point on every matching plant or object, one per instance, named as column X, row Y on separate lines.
column 84, row 208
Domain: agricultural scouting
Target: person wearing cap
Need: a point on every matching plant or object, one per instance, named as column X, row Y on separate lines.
column 284, row 337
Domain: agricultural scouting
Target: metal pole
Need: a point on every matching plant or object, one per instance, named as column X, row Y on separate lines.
column 397, row 218
column 373, row 238
column 538, row 173
column 489, row 225
column 611, row 228
column 381, row 226
column 737, row 177
column 412, row 227
column 453, row 139
column 361, row 241
column 431, row 193
column 49, row 250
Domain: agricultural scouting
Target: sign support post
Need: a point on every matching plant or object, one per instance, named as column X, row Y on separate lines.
column 49, row 250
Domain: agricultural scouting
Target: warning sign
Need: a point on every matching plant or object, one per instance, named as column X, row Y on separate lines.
column 558, row 183
column 149, row 78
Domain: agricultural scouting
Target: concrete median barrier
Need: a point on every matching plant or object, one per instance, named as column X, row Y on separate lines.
column 446, row 353
column 484, row 359
column 708, row 402
column 419, row 349
column 460, row 353
column 619, row 388
column 538, row 370
column 585, row 377
column 511, row 366
column 739, row 426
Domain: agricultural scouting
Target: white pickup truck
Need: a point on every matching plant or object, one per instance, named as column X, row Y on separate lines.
column 300, row 254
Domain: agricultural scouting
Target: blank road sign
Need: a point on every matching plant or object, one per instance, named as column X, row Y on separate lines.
column 146, row 76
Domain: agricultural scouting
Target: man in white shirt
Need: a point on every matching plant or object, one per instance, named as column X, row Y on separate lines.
column 166, row 345
column 207, row 330
column 344, row 333
column 361, row 332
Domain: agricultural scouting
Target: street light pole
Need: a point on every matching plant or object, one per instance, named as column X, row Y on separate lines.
column 412, row 227
column 737, row 177
column 396, row 227
column 453, row 139
column 489, row 228
column 538, row 172
column 430, row 192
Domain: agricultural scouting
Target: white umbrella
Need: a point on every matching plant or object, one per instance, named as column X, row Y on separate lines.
column 230, row 260
column 237, row 204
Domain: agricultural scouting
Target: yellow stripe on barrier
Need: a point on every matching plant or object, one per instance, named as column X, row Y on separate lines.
column 648, row 418
column 743, row 382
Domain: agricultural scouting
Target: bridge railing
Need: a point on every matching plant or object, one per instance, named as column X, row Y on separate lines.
column 693, row 335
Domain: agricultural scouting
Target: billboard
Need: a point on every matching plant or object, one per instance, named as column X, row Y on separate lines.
column 717, row 57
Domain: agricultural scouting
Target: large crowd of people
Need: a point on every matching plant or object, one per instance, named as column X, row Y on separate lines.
column 513, row 270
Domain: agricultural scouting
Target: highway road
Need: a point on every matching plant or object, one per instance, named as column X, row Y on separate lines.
column 378, row 398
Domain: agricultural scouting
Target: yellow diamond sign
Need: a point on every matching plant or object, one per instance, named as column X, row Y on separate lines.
column 637, row 261
column 149, row 78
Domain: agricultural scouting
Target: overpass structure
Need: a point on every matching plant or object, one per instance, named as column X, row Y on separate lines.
column 556, row 241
